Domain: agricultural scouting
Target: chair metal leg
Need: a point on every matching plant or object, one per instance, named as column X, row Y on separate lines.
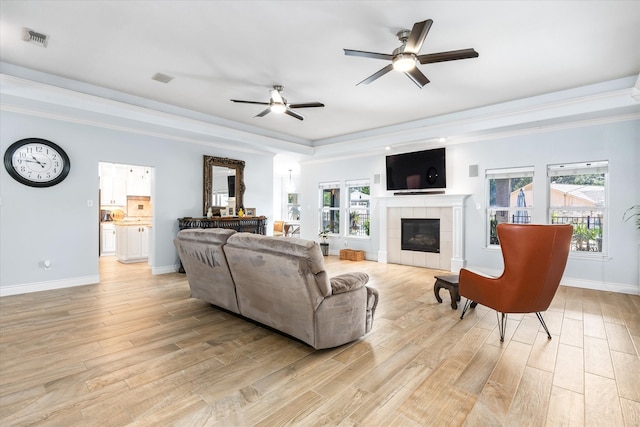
column 466, row 307
column 544, row 325
column 502, row 324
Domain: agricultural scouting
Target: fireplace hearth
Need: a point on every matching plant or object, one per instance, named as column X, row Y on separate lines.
column 420, row 234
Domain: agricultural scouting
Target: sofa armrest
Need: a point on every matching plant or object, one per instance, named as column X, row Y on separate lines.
column 348, row 282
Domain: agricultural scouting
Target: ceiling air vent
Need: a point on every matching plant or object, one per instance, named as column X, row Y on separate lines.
column 163, row 78
column 35, row 37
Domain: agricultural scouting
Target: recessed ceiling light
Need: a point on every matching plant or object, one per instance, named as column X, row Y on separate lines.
column 442, row 139
column 162, row 78
column 387, row 148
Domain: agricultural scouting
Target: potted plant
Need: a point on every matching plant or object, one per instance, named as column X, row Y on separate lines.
column 324, row 246
column 633, row 211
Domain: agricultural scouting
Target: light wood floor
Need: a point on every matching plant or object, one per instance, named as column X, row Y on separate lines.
column 136, row 350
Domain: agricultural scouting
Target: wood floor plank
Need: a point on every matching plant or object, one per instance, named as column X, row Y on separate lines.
column 531, row 399
column 511, row 365
column 544, row 352
column 627, row 370
column 382, row 373
column 572, row 332
column 384, row 403
column 601, row 401
column 594, row 326
column 334, row 410
column 566, row 408
column 597, row 358
column 630, row 412
column 479, row 369
column 619, row 338
column 135, row 349
column 569, row 370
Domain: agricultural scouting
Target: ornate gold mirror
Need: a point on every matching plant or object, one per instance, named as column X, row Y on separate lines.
column 218, row 192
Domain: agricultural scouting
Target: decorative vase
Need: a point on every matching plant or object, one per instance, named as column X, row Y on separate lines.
column 324, row 247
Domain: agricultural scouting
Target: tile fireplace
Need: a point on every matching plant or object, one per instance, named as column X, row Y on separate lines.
column 447, row 209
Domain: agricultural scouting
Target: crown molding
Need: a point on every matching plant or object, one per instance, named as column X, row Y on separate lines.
column 605, row 102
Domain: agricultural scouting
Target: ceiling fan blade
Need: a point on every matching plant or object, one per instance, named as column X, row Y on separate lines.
column 294, row 114
column 250, row 102
column 276, row 97
column 263, row 113
column 377, row 75
column 417, row 77
column 451, row 55
column 306, row 105
column 374, row 55
column 416, row 37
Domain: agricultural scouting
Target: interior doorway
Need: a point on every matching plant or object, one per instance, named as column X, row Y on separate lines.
column 125, row 215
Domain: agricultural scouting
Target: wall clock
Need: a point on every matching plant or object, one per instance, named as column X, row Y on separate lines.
column 36, row 162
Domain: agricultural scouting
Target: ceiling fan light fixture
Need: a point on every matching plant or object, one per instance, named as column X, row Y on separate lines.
column 404, row 62
column 278, row 108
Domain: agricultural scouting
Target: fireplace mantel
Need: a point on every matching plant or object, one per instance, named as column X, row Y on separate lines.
column 453, row 201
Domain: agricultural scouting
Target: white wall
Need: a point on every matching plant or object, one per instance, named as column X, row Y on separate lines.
column 340, row 170
column 56, row 223
column 617, row 142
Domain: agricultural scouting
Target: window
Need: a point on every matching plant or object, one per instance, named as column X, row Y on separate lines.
column 330, row 207
column 577, row 196
column 510, row 193
column 359, row 208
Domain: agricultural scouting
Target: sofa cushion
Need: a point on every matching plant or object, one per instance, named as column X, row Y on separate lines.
column 348, row 282
column 205, row 263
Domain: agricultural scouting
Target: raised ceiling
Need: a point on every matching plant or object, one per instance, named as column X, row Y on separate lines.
column 219, row 50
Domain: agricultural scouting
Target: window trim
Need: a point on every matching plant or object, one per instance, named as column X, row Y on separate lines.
column 504, row 173
column 584, row 168
column 328, row 186
column 347, row 228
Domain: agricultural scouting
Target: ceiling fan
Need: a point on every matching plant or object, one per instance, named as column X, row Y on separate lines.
column 405, row 57
column 278, row 104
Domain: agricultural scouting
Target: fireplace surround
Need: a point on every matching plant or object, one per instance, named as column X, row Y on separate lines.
column 449, row 209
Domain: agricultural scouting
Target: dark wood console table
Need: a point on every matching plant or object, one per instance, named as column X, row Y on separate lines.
column 247, row 224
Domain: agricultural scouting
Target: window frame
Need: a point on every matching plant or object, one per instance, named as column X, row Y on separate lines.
column 491, row 240
column 366, row 223
column 322, row 208
column 601, row 236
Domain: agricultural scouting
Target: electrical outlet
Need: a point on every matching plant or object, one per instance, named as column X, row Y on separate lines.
column 89, row 203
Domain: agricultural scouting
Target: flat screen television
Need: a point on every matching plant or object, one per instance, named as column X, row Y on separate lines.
column 420, row 170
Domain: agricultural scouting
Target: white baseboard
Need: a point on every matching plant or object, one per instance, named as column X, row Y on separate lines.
column 620, row 288
column 26, row 288
column 165, row 269
column 597, row 285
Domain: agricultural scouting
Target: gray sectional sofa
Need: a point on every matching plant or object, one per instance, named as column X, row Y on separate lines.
column 279, row 282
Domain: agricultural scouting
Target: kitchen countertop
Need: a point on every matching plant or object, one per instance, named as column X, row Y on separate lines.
column 130, row 222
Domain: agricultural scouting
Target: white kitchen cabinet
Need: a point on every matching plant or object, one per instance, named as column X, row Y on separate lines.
column 113, row 184
column 107, row 239
column 132, row 243
column 138, row 181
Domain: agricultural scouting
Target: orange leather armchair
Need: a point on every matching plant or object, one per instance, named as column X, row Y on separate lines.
column 534, row 260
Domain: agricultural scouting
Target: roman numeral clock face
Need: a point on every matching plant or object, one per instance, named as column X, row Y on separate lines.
column 36, row 162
